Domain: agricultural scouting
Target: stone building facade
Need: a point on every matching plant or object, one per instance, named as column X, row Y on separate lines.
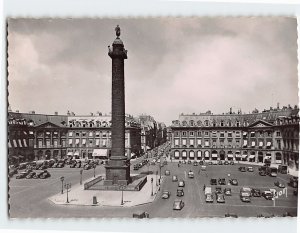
column 268, row 136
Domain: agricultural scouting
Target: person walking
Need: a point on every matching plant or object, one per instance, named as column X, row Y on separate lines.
column 204, row 186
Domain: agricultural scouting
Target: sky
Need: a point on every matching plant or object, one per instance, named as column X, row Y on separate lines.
column 174, row 65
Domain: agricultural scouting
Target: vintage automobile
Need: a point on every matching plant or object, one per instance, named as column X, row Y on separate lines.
column 255, row 192
column 181, row 183
column 213, row 181
column 167, row 172
column 226, row 163
column 87, row 167
column 12, row 171
column 218, row 189
column 222, row 181
column 140, row 215
column 250, row 169
column 242, row 169
column 165, row 194
column 22, row 175
column 195, row 163
column 30, row 175
column 268, row 195
column 220, row 198
column 209, row 198
column 201, row 162
column 279, row 184
column 45, row 174
column 293, row 182
column 191, row 174
column 227, row 191
column 220, row 162
column 180, row 192
column 233, row 181
column 174, row 178
column 178, row 205
column 231, row 163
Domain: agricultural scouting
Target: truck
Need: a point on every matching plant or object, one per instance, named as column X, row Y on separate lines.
column 272, row 171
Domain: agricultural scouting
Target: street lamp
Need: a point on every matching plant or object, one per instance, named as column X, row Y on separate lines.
column 152, row 186
column 62, row 184
column 156, row 177
column 94, row 170
column 67, row 187
column 122, row 187
column 81, row 176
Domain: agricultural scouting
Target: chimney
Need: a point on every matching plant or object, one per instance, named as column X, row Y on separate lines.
column 68, row 113
column 92, row 114
column 55, row 113
column 17, row 111
column 32, row 112
column 278, row 105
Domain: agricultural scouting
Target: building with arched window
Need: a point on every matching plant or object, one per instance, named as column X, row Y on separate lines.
column 270, row 136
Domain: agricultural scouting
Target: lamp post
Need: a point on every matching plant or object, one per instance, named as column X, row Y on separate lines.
column 94, row 170
column 122, row 187
column 62, row 184
column 152, row 186
column 67, row 187
column 156, row 178
column 81, row 176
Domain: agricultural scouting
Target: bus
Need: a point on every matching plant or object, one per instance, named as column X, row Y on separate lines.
column 272, row 171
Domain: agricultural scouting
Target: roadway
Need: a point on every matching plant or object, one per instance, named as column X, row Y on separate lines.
column 28, row 198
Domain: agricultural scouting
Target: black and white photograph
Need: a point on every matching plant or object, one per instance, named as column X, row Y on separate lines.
column 159, row 117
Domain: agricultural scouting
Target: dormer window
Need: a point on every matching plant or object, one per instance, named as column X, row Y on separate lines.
column 222, row 123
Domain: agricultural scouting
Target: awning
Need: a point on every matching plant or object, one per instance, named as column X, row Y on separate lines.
column 24, row 142
column 9, row 144
column 83, row 141
column 76, row 153
column 20, row 143
column 268, row 144
column 251, row 156
column 244, row 156
column 30, row 132
column 253, row 143
column 261, row 144
column 214, row 155
column 245, row 134
column 70, row 153
column 99, row 153
column 230, row 155
column 15, row 143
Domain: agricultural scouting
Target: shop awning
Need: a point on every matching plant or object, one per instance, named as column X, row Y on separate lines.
column 244, row 133
column 70, row 153
column 20, row 143
column 253, row 143
column 251, row 156
column 244, row 156
column 230, row 155
column 9, row 144
column 214, row 155
column 76, row 153
column 100, row 153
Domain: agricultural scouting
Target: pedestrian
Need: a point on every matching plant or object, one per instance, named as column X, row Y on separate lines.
column 199, row 171
column 204, row 186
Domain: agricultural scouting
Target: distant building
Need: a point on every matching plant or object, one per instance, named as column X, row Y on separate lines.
column 268, row 136
column 39, row 136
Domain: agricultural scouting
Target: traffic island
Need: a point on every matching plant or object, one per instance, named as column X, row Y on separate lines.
column 120, row 197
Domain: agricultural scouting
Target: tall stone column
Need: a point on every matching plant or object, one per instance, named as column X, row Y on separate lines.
column 118, row 168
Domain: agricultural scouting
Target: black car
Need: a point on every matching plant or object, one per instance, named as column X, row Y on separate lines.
column 22, row 175
column 140, row 215
column 233, row 181
column 220, row 163
column 242, row 169
column 231, row 163
column 226, row 163
column 255, row 192
column 30, row 175
column 293, row 182
column 45, row 174
column 195, row 163
column 201, row 162
column 213, row 181
column 222, row 181
column 210, row 163
column 218, row 189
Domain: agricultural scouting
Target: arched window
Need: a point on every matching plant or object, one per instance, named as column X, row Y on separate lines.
column 191, row 123
column 238, row 123
column 199, row 123
column 184, row 123
column 206, row 123
column 214, row 123
column 229, row 123
column 222, row 123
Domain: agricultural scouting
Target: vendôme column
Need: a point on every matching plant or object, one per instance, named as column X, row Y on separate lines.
column 118, row 168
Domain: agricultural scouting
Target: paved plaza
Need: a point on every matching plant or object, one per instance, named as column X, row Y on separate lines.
column 30, row 198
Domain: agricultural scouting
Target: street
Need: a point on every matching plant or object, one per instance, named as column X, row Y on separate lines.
column 28, row 197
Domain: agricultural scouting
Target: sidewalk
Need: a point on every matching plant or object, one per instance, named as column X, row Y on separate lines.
column 79, row 196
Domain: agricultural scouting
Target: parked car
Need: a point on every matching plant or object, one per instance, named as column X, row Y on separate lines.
column 166, row 194
column 180, row 192
column 12, row 171
column 78, row 165
column 262, row 173
column 174, row 178
column 218, row 189
column 189, row 161
column 209, row 198
column 195, row 163
column 140, row 215
column 167, row 172
column 30, row 175
column 178, row 205
column 222, row 181
column 54, row 165
column 293, row 182
column 43, row 167
column 203, row 168
column 268, row 195
column 22, row 175
column 250, row 169
column 279, row 184
column 227, row 191
column 22, row 166
column 226, row 163
column 220, row 198
column 87, row 167
column 220, row 162
column 210, row 163
column 213, row 181
column 191, row 174
column 183, row 162
column 255, row 192
column 73, row 165
column 44, row 175
column 242, row 169
column 231, row 163
column 60, row 165
column 201, row 162
column 181, row 183
column 245, row 194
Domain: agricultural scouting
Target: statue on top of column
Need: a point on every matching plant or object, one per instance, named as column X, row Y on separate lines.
column 118, row 31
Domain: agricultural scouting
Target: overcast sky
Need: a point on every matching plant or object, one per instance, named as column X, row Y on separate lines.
column 174, row 65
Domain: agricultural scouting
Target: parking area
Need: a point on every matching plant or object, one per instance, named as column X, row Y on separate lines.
column 28, row 197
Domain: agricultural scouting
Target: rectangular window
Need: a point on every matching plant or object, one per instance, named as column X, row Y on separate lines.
column 206, row 133
column 206, row 143
column 97, row 142
column 214, row 134
column 77, row 134
column 104, row 142
column 91, row 142
column 97, row 134
column 176, row 142
column 279, row 144
column 47, row 142
column 191, row 142
column 77, row 141
column 229, row 134
column 63, row 143
column 55, row 143
column 237, row 142
column 199, row 133
column 70, row 142
column 183, row 133
column 184, row 142
column 83, row 134
column 30, row 142
column 229, row 140
column 278, row 133
column 199, row 142
column 83, row 141
column 176, row 134
column 40, row 143
column 222, row 135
